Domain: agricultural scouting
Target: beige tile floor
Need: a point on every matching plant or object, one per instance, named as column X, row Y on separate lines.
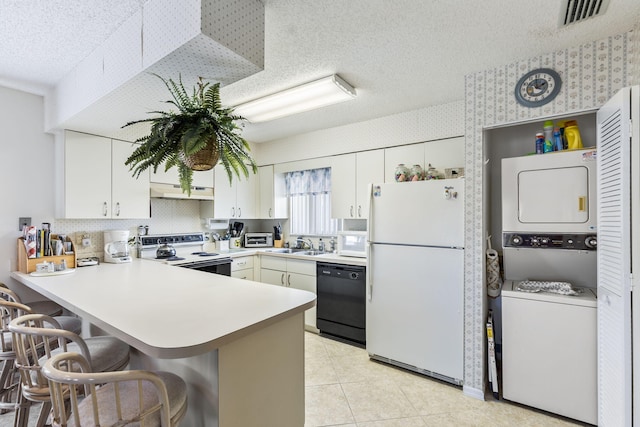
column 344, row 388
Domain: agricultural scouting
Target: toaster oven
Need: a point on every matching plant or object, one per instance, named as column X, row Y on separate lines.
column 258, row 240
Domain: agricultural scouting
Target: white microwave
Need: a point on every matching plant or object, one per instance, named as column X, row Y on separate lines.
column 352, row 243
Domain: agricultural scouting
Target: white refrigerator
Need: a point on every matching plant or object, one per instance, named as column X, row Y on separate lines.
column 415, row 270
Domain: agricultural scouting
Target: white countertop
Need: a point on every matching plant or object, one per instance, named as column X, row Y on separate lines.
column 166, row 311
column 326, row 257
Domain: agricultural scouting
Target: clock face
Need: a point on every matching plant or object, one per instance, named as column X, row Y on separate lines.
column 538, row 87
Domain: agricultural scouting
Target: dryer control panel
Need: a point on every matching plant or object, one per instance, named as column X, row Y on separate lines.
column 550, row 241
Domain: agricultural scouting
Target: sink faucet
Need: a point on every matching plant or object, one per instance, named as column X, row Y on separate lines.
column 304, row 241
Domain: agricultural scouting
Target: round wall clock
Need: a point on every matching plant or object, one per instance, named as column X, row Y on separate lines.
column 538, row 87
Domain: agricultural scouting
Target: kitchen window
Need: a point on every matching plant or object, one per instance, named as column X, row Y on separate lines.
column 309, row 193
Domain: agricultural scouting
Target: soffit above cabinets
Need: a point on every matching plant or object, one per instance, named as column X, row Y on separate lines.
column 220, row 40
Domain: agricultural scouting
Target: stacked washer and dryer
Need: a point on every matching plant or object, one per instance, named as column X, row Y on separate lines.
column 549, row 346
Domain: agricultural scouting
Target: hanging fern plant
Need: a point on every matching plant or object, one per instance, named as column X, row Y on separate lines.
column 197, row 136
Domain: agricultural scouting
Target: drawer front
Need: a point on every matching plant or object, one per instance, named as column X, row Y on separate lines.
column 243, row 274
column 301, row 267
column 242, row 263
column 273, row 262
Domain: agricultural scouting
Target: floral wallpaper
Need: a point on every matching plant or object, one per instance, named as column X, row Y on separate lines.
column 591, row 74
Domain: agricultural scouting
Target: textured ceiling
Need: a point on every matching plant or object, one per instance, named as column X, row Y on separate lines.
column 42, row 40
column 399, row 55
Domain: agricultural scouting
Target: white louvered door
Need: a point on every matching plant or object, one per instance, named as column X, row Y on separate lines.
column 614, row 262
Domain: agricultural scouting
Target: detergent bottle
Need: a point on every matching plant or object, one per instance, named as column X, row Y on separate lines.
column 548, row 136
column 557, row 140
column 572, row 134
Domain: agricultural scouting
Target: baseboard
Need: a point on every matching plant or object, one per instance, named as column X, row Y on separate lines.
column 473, row 392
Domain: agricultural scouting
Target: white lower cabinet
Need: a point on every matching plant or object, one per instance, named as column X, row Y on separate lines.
column 242, row 267
column 294, row 273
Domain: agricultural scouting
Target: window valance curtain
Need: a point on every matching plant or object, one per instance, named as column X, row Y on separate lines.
column 309, row 193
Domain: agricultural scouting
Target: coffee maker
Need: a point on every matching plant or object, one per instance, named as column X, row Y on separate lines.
column 116, row 246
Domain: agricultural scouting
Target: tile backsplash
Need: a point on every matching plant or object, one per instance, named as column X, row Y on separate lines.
column 167, row 216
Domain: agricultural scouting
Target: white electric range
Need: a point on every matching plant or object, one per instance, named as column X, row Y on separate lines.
column 190, row 252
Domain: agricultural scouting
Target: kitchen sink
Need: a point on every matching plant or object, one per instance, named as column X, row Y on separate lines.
column 312, row 253
column 285, row 250
column 295, row 251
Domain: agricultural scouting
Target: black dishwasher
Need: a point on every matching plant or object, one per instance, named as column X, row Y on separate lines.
column 341, row 302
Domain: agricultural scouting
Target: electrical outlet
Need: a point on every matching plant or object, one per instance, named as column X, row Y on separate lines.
column 86, row 240
column 24, row 222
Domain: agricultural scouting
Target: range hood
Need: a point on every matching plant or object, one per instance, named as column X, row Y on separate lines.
column 170, row 191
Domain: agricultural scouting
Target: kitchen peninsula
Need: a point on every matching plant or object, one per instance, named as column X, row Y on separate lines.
column 238, row 344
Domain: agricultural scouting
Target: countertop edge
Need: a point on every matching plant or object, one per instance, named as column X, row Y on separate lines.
column 152, row 350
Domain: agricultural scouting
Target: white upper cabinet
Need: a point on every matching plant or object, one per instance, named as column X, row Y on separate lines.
column 408, row 155
column 97, row 184
column 351, row 175
column 237, row 199
column 441, row 154
column 129, row 196
column 271, row 194
column 343, row 186
column 369, row 170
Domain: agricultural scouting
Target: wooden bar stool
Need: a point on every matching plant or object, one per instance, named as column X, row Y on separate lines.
column 37, row 338
column 47, row 307
column 113, row 398
column 9, row 381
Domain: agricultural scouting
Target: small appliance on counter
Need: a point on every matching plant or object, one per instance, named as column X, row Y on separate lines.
column 116, row 246
column 352, row 243
column 258, row 240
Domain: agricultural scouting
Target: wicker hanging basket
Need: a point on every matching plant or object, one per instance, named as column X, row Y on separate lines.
column 204, row 159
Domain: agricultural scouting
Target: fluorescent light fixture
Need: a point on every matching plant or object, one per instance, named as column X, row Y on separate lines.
column 316, row 94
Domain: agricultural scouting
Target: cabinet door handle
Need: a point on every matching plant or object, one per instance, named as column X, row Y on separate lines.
column 351, row 211
column 104, row 209
column 241, row 263
column 282, row 279
column 118, row 209
column 359, row 211
column 288, row 280
column 233, row 212
column 239, row 212
column 270, row 212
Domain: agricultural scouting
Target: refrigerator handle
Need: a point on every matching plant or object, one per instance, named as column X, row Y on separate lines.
column 368, row 245
column 369, row 213
column 369, row 277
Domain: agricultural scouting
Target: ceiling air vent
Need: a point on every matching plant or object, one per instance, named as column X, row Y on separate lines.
column 579, row 10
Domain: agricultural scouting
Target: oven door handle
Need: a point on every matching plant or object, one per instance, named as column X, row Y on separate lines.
column 213, row 262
